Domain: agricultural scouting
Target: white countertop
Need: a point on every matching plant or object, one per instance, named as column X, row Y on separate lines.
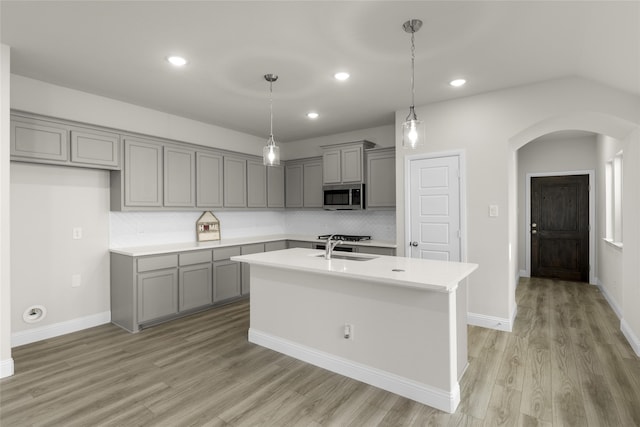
column 193, row 246
column 424, row 274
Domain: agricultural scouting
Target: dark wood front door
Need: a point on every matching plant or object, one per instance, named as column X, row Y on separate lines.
column 560, row 227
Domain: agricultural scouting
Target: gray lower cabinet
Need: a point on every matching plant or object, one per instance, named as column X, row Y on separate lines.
column 376, row 250
column 275, row 246
column 226, row 274
column 246, row 274
column 195, row 280
column 157, row 294
column 299, row 244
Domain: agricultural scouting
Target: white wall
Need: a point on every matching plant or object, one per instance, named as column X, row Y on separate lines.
column 47, row 202
column 630, row 321
column 549, row 154
column 6, row 362
column 490, row 128
column 44, row 98
column 609, row 257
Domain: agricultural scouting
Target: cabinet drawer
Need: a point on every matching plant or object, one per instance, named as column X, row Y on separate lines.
column 196, row 257
column 157, row 262
column 377, row 250
column 275, row 246
column 252, row 249
column 225, row 253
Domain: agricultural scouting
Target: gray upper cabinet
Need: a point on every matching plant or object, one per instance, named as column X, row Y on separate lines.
column 209, row 180
column 312, row 184
column 142, row 173
column 235, row 182
column 381, row 178
column 343, row 163
column 293, row 185
column 256, row 184
column 304, row 183
column 275, row 187
column 95, row 148
column 179, row 177
column 37, row 139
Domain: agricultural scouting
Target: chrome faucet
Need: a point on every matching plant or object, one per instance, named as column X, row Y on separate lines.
column 330, row 246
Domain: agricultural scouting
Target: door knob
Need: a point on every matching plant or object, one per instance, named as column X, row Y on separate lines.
column 534, row 225
column 413, row 244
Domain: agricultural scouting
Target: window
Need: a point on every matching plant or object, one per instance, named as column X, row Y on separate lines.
column 613, row 200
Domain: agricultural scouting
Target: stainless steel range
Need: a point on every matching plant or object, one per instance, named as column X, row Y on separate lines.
column 342, row 237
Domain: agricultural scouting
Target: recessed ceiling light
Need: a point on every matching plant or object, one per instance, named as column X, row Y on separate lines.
column 341, row 75
column 457, row 82
column 312, row 115
column 178, row 61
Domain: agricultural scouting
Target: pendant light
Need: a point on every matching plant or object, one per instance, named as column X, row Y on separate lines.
column 413, row 132
column 271, row 152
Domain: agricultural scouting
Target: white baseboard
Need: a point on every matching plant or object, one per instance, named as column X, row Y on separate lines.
column 612, row 302
column 431, row 396
column 633, row 339
column 523, row 273
column 6, row 368
column 57, row 329
column 491, row 322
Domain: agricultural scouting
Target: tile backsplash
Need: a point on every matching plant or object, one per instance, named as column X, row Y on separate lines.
column 152, row 228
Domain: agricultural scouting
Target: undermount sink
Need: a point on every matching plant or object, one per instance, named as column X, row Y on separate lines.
column 350, row 257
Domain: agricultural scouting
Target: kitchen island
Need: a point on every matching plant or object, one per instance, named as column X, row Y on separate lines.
column 393, row 322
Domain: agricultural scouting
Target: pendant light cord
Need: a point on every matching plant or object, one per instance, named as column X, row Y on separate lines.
column 271, row 140
column 412, row 112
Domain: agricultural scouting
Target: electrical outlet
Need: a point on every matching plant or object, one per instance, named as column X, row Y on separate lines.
column 76, row 280
column 77, row 233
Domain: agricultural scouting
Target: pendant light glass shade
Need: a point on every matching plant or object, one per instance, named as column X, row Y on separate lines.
column 413, row 131
column 271, row 152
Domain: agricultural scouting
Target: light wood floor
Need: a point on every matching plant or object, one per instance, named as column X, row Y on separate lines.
column 565, row 363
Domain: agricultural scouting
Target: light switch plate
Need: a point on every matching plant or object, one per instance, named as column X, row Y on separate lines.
column 77, row 233
column 493, row 210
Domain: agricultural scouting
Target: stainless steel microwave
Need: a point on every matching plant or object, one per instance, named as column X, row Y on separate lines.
column 343, row 196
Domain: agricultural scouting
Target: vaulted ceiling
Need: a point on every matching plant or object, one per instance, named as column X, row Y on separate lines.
column 118, row 49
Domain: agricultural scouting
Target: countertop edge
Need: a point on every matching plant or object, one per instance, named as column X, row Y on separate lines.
column 194, row 246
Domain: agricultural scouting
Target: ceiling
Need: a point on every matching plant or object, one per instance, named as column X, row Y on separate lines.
column 117, row 49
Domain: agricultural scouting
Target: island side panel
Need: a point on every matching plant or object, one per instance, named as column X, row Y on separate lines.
column 403, row 331
column 461, row 328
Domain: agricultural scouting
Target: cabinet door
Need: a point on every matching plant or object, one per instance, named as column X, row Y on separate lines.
column 275, row 187
column 35, row 139
column 226, row 280
column 331, row 171
column 312, row 184
column 256, row 184
column 95, row 148
column 179, row 177
column 157, row 294
column 209, row 180
column 351, row 164
column 381, row 180
column 195, row 286
column 275, row 246
column 142, row 173
column 293, row 186
column 235, row 182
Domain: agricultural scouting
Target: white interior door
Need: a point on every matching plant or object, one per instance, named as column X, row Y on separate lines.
column 434, row 206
